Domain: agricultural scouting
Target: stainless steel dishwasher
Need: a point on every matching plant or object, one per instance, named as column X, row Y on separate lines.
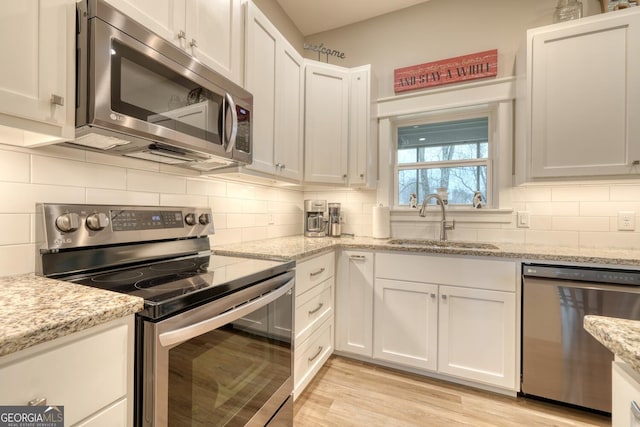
column 560, row 360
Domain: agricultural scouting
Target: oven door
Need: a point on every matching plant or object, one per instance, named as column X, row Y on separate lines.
column 228, row 362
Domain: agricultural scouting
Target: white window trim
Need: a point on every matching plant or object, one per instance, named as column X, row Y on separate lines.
column 498, row 94
column 445, row 116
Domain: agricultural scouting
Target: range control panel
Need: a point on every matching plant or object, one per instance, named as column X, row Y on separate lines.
column 73, row 226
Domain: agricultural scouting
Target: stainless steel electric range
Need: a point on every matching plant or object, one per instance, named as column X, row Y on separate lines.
column 214, row 341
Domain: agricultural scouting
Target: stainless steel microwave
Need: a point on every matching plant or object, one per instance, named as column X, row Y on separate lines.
column 140, row 96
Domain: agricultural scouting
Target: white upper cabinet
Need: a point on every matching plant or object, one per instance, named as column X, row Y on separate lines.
column 326, row 124
column 341, row 144
column 210, row 30
column 274, row 75
column 37, row 79
column 582, row 98
column 363, row 129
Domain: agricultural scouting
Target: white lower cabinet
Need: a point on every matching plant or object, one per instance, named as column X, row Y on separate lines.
column 477, row 335
column 406, row 323
column 314, row 318
column 90, row 373
column 454, row 316
column 625, row 402
column 354, row 303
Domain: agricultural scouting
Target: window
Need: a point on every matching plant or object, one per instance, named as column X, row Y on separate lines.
column 453, row 154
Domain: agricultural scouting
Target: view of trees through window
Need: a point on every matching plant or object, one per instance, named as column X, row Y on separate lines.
column 452, row 154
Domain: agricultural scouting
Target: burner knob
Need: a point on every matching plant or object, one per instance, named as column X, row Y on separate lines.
column 190, row 219
column 68, row 222
column 97, row 221
column 204, row 219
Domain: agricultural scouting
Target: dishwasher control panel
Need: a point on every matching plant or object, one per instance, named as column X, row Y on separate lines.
column 583, row 274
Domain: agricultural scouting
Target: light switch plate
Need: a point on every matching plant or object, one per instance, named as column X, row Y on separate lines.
column 522, row 219
column 626, row 220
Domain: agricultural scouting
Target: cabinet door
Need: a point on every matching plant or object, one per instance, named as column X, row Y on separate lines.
column 625, row 396
column 38, row 55
column 289, row 111
column 214, row 35
column 260, row 80
column 160, row 16
column 354, row 303
column 326, row 124
column 405, row 323
column 363, row 145
column 478, row 335
column 585, row 97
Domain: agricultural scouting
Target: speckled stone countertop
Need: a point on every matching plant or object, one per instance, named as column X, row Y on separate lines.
column 297, row 247
column 36, row 309
column 621, row 336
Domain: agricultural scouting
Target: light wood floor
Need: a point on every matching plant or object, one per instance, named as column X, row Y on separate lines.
column 351, row 393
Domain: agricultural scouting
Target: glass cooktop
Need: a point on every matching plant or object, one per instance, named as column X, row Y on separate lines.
column 171, row 286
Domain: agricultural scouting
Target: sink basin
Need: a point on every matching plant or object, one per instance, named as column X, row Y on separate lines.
column 416, row 243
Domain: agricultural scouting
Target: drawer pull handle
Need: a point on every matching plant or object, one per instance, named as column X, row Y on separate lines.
column 39, row 401
column 315, row 310
column 635, row 410
column 312, row 358
column 357, row 257
column 315, row 273
column 444, row 297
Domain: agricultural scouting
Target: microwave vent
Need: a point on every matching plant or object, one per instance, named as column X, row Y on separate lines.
column 100, row 142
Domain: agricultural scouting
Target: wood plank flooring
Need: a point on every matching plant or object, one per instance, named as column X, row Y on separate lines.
column 347, row 392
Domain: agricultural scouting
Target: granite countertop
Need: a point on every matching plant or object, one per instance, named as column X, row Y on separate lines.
column 35, row 309
column 298, row 247
column 621, row 336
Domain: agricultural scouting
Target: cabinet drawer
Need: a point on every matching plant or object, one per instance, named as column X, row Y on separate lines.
column 83, row 375
column 313, row 307
column 311, row 355
column 114, row 415
column 313, row 271
column 495, row 275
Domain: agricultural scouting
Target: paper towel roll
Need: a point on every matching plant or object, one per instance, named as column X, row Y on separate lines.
column 381, row 224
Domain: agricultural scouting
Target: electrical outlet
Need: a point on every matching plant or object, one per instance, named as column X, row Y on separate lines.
column 523, row 219
column 626, row 220
column 271, row 220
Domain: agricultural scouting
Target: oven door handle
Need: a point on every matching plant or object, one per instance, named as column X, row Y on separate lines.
column 177, row 336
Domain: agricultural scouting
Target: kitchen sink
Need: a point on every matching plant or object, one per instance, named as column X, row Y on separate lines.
column 418, row 243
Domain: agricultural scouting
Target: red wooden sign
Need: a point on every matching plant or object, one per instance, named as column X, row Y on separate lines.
column 453, row 70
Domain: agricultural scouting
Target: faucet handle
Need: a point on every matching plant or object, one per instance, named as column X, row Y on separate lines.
column 449, row 225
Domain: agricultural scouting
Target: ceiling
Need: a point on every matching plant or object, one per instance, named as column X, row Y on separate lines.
column 313, row 16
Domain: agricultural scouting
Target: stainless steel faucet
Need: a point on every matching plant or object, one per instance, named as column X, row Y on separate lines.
column 444, row 224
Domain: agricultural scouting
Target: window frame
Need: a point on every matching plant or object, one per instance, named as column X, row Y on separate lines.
column 445, row 116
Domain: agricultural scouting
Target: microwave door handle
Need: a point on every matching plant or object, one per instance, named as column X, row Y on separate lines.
column 231, row 142
column 177, row 336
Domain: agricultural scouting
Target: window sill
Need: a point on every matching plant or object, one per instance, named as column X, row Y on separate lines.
column 459, row 213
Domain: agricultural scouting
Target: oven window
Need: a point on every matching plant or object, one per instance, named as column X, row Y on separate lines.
column 149, row 91
column 225, row 376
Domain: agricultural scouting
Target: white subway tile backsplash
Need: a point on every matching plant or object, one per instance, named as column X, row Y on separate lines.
column 17, row 259
column 155, row 182
column 206, row 187
column 183, row 200
column 579, row 193
column 552, row 238
column 101, row 196
column 22, row 198
column 589, row 208
column 572, row 223
column 14, row 166
column 254, row 233
column 617, row 239
column 52, row 170
column 553, row 208
column 531, row 194
column 15, row 229
column 630, row 193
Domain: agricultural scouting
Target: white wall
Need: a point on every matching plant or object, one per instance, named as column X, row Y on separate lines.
column 438, row 29
column 242, row 212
